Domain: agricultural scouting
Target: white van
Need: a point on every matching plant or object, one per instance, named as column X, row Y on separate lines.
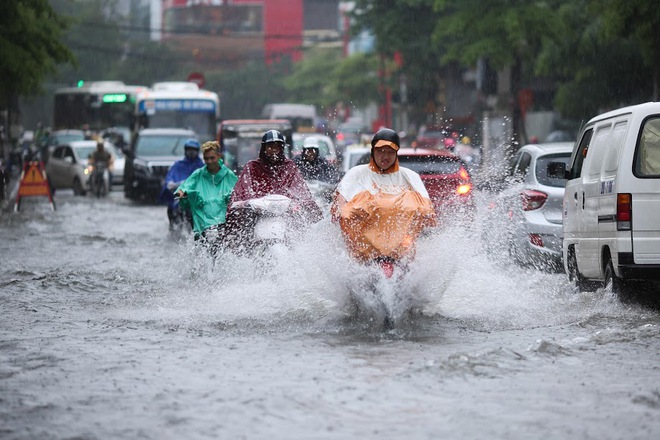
column 302, row 116
column 611, row 208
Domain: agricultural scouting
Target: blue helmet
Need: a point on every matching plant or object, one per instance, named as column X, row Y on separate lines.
column 192, row 143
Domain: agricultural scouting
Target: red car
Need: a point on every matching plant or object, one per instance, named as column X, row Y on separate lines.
column 446, row 178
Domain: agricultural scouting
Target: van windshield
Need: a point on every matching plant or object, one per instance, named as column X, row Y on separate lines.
column 647, row 159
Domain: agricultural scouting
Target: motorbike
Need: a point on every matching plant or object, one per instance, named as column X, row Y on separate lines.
column 270, row 227
column 181, row 222
column 99, row 179
column 322, row 192
column 382, row 239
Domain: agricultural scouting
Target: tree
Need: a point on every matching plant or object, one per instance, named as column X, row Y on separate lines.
column 403, row 27
column 505, row 32
column 30, row 47
column 637, row 21
column 590, row 63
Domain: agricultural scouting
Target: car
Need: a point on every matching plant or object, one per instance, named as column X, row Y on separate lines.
column 531, row 206
column 150, row 157
column 119, row 163
column 349, row 133
column 327, row 149
column 67, row 166
column 432, row 137
column 446, row 178
column 60, row 137
column 353, row 156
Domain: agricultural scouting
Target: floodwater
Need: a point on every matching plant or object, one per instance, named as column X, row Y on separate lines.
column 111, row 329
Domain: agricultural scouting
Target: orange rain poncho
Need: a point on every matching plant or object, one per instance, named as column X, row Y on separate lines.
column 384, row 212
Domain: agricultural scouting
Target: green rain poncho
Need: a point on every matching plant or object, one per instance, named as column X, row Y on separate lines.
column 207, row 196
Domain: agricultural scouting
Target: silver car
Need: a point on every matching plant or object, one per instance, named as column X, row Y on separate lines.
column 533, row 205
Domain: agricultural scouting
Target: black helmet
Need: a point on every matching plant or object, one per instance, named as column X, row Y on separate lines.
column 272, row 136
column 385, row 136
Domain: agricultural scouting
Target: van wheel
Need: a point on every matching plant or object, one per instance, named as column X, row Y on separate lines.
column 613, row 283
column 574, row 274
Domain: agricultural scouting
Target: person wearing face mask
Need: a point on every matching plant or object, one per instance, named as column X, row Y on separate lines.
column 382, row 207
column 271, row 174
column 177, row 173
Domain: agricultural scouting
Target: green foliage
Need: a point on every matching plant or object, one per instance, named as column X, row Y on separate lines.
column 311, row 81
column 355, row 80
column 30, row 46
column 244, row 92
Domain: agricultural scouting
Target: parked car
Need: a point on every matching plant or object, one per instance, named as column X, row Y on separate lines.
column 152, row 154
column 612, row 200
column 67, row 166
column 446, row 178
column 529, row 210
column 327, row 148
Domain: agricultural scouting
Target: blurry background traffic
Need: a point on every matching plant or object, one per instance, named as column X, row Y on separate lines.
column 466, row 81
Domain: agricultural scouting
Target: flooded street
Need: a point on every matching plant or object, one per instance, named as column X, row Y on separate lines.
column 111, row 329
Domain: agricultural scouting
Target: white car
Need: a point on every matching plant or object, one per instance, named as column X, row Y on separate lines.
column 327, row 148
column 526, row 218
column 119, row 163
column 67, row 166
column 352, row 156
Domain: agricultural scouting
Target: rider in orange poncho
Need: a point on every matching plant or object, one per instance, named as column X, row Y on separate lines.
column 381, row 207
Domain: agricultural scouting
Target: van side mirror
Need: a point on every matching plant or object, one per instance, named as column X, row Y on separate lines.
column 557, row 170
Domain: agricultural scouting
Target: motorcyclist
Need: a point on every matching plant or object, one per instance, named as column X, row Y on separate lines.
column 271, row 173
column 206, row 193
column 314, row 167
column 101, row 156
column 180, row 171
column 382, row 207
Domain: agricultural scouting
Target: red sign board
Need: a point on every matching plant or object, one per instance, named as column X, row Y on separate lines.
column 198, row 79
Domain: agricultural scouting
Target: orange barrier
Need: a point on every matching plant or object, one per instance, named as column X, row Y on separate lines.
column 33, row 182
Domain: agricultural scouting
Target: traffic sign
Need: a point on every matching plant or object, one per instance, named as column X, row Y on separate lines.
column 197, row 78
column 33, row 183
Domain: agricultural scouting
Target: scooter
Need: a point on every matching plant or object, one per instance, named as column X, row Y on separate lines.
column 99, row 179
column 270, row 227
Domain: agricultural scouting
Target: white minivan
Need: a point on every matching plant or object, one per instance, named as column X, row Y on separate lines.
column 611, row 207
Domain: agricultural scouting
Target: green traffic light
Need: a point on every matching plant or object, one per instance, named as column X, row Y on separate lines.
column 81, row 83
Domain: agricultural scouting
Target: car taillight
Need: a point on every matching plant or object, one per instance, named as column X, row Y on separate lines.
column 463, row 189
column 532, row 200
column 623, row 212
column 463, row 174
column 536, row 240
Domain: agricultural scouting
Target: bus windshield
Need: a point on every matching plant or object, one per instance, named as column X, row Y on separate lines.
column 95, row 106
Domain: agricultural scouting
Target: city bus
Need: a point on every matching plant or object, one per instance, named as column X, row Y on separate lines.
column 96, row 106
column 178, row 104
